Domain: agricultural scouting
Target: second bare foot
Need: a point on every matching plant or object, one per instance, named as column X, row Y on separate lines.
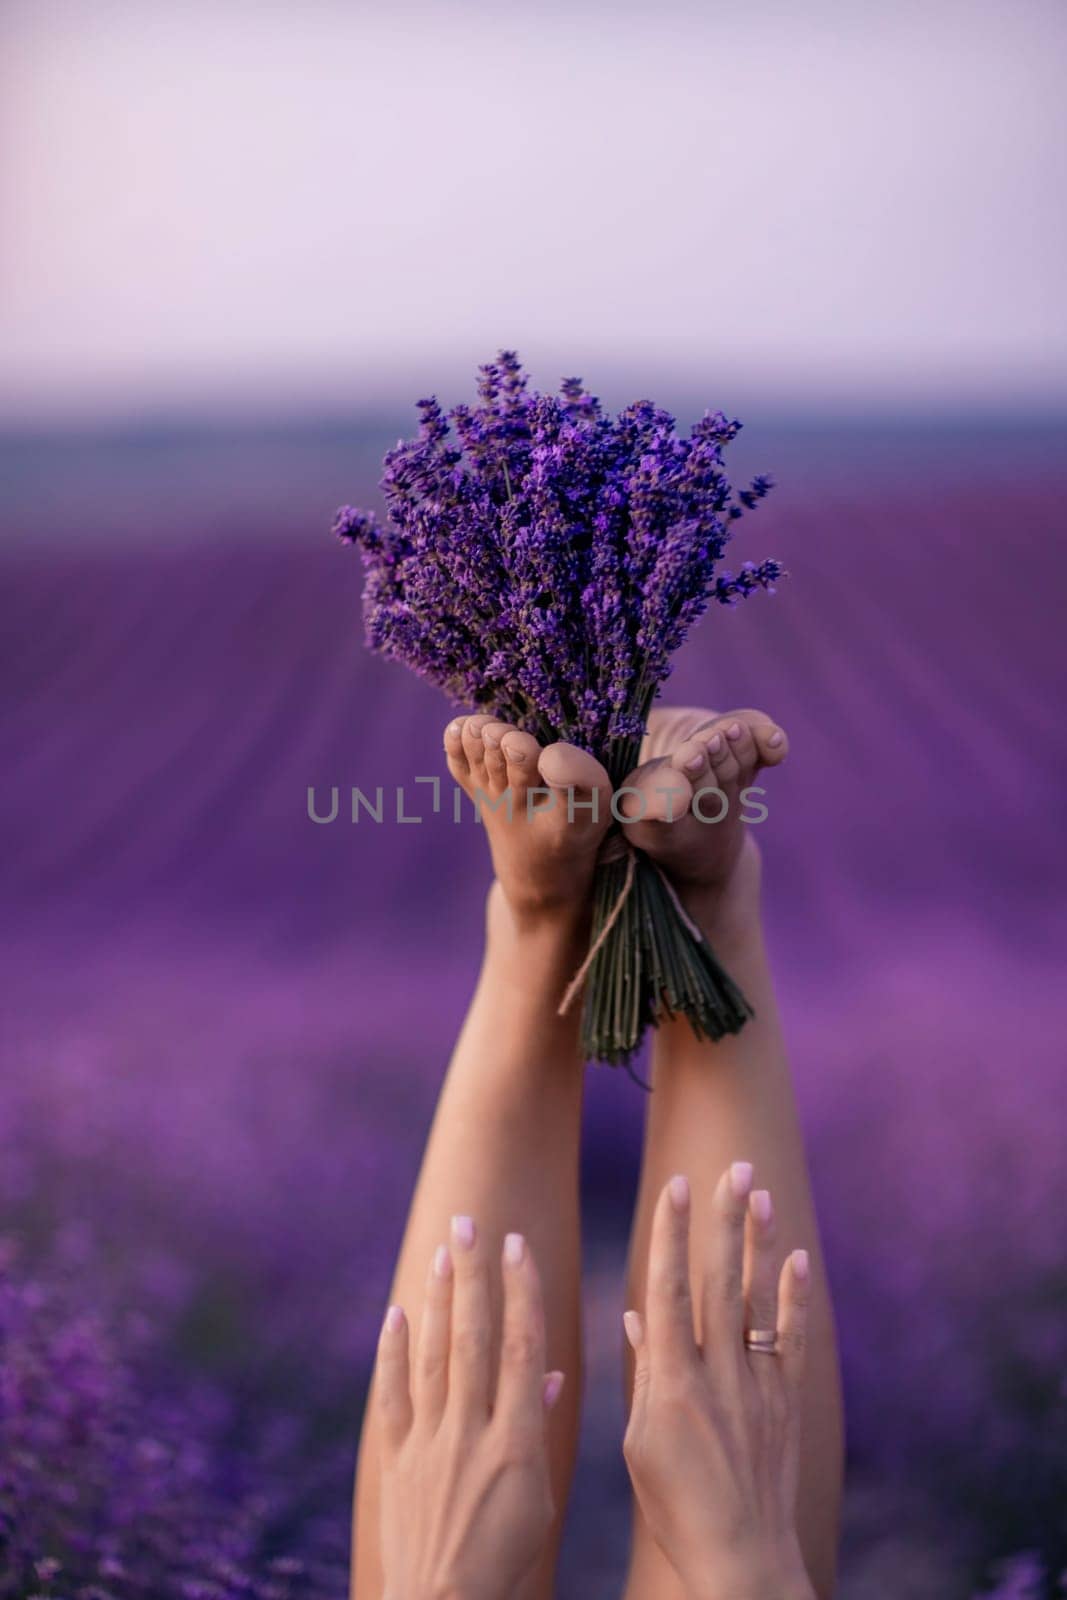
column 689, row 806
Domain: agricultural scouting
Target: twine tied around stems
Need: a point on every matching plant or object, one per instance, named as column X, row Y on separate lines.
column 614, row 848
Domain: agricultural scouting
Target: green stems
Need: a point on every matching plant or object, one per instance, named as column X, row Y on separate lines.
column 654, row 964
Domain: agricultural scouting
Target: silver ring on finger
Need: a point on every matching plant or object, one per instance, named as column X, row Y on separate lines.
column 763, row 1341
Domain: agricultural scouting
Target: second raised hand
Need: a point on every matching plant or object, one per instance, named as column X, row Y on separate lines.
column 713, row 1437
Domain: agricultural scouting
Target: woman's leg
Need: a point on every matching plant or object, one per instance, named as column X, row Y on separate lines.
column 504, row 1143
column 717, row 1103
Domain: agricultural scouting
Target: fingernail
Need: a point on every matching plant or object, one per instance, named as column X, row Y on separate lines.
column 514, row 1249
column 760, row 1205
column 801, row 1265
column 776, row 738
column 741, row 1178
column 455, row 727
column 394, row 1319
column 552, row 1389
column 463, row 1232
column 442, row 1262
column 694, row 763
column 679, row 1191
column 734, row 731
column 631, row 1322
column 715, row 743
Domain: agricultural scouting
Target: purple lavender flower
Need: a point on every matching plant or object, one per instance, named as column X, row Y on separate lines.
column 115, row 1479
column 543, row 560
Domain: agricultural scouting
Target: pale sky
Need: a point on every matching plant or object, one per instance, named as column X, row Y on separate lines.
column 282, row 205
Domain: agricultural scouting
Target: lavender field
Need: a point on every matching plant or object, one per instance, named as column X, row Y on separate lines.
column 224, row 1026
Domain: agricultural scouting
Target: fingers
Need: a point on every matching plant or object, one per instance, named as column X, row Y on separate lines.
column 669, row 1308
column 794, row 1293
column 760, row 1272
column 551, row 1389
column 431, row 1357
column 634, row 1324
column 523, row 1389
column 469, row 1355
column 391, row 1387
column 722, row 1298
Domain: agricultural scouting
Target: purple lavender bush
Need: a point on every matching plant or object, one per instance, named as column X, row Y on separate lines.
column 543, row 561
column 121, row 1479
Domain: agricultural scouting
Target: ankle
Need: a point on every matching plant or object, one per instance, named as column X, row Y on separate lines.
column 729, row 913
column 560, row 926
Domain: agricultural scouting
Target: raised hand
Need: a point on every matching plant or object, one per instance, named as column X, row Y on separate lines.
column 713, row 1437
column 465, row 1498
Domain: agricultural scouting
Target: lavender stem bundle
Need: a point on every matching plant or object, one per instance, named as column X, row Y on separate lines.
column 543, row 561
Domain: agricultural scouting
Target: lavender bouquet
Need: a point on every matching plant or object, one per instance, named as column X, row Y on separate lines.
column 543, row 561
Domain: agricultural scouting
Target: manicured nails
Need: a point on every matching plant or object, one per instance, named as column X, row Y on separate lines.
column 801, row 1265
column 634, row 1328
column 552, row 1389
column 514, row 1249
column 715, row 744
column 776, row 738
column 678, row 1188
column 761, row 1205
column 463, row 1233
column 740, row 1179
column 734, row 732
column 442, row 1262
column 394, row 1319
column 694, row 763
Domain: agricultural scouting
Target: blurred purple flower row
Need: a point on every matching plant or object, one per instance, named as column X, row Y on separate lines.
column 124, row 1472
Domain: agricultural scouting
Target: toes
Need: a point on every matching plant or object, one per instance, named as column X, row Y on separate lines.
column 496, row 765
column 772, row 742
column 580, row 775
column 521, row 751
column 691, row 758
column 759, row 743
column 725, row 767
column 474, row 748
column 739, row 737
column 670, row 726
column 710, row 803
column 656, row 792
column 454, row 751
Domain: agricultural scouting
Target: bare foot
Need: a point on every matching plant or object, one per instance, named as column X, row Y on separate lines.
column 543, row 846
column 695, row 768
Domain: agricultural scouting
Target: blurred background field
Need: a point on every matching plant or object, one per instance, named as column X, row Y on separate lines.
column 224, row 1026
